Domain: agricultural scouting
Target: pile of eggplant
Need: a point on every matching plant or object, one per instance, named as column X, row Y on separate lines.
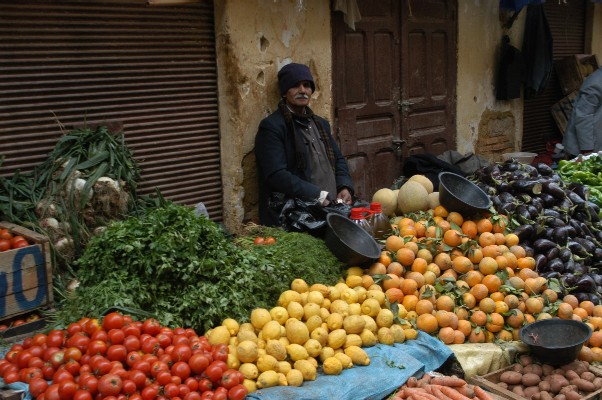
column 554, row 220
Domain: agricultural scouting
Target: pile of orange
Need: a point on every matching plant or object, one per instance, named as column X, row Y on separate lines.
column 469, row 280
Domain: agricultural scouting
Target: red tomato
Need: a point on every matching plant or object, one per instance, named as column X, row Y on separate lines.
column 143, row 366
column 73, row 367
column 183, row 389
column 89, row 383
column 5, row 234
column 150, row 345
column 97, row 347
column 35, row 362
column 55, row 338
column 110, row 385
column 4, row 245
column 208, row 395
column 10, row 377
column 116, row 336
column 163, row 377
column 171, row 390
column 182, row 352
column 131, row 329
column 229, row 379
column 193, row 396
column 19, row 244
column 214, row 372
column 23, row 358
column 73, row 353
column 238, row 392
column 61, row 375
column 220, row 352
column 103, row 366
column 17, row 238
column 150, row 392
column 117, row 352
column 18, row 322
column 80, row 341
column 131, row 343
column 181, row 370
column 37, row 386
column 164, row 339
column 138, row 377
column 113, row 320
column 100, row 334
column 129, row 387
column 205, row 385
column 270, row 240
column 258, row 240
column 83, row 395
column 133, row 357
column 198, row 362
column 151, row 326
column 192, row 383
column 57, row 358
column 48, row 371
column 180, row 339
column 221, row 393
column 67, row 389
column 52, row 393
column 91, row 325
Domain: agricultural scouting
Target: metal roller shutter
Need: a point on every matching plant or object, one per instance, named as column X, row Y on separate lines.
column 567, row 24
column 151, row 69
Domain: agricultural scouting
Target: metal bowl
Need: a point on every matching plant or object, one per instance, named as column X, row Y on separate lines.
column 457, row 193
column 349, row 242
column 555, row 341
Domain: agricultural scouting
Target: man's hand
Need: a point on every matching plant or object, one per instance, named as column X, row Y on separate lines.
column 345, row 196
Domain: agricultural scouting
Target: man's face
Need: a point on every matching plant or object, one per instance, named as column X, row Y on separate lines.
column 299, row 95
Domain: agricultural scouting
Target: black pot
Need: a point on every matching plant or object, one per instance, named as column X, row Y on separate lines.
column 349, row 242
column 457, row 193
column 555, row 341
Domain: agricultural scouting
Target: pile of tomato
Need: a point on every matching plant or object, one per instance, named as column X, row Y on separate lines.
column 119, row 358
column 9, row 241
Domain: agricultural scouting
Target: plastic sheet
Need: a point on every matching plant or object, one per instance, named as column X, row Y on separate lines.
column 390, row 367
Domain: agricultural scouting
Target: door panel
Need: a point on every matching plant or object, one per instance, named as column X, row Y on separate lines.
column 428, row 76
column 394, row 83
column 366, row 77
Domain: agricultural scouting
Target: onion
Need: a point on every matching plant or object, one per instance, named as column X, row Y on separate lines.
column 49, row 223
column 46, row 208
column 74, row 284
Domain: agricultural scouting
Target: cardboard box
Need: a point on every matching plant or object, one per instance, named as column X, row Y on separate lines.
column 490, row 382
column 561, row 111
column 573, row 70
column 25, row 275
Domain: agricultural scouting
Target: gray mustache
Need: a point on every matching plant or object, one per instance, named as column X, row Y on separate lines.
column 302, row 96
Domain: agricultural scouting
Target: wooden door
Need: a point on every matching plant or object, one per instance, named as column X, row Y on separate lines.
column 394, row 87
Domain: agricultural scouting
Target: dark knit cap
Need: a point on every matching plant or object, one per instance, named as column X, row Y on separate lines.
column 291, row 74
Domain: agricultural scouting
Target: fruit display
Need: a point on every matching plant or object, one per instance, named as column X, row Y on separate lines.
column 10, row 240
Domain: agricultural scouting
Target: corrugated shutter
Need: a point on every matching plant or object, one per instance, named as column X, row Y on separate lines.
column 567, row 24
column 152, row 69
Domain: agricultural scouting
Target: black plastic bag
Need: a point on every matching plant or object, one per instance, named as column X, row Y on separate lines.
column 298, row 215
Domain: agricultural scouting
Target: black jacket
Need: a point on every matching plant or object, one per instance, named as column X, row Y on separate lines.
column 277, row 167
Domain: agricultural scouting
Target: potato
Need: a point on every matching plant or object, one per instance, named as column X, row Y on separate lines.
column 557, row 382
column 569, row 388
column 525, row 359
column 511, row 377
column 588, row 376
column 517, row 368
column 572, row 395
column 547, row 369
column 518, row 390
column 584, row 385
column 545, row 386
column 598, row 382
column 503, row 385
column 560, row 397
column 530, row 391
column 533, row 368
column 530, row 379
column 570, row 375
column 543, row 395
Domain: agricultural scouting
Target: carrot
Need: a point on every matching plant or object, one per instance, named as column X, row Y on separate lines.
column 436, row 389
column 451, row 393
column 451, row 381
column 419, row 393
column 466, row 390
column 481, row 393
column 412, row 382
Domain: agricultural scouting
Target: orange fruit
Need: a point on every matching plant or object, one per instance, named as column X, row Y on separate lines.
column 367, row 281
column 488, row 266
column 587, row 306
column 518, row 251
column 395, row 268
column 459, row 337
column 515, row 319
column 502, row 262
column 419, row 265
column 565, row 311
column 492, row 282
column 456, row 218
column 462, row 265
column 408, row 286
column 405, row 256
column 469, row 228
column 478, row 318
column 394, row 295
column 425, row 254
column 516, row 282
column 492, row 250
column 486, row 239
column 479, row 291
column 440, row 211
column 487, row 305
column 495, row 322
column 377, row 268
column 445, row 318
column 444, row 225
column 597, row 310
column 497, row 296
column 385, row 258
column 427, row 323
column 500, row 239
column 434, row 268
column 501, row 307
column 527, row 273
column 449, row 274
column 533, row 305
column 431, row 232
column 394, row 281
column 412, row 246
column 572, row 300
column 511, row 300
column 512, row 239
column 423, row 307
column 416, row 276
column 475, row 255
column 499, row 224
column 464, row 326
column 473, row 277
column 447, row 335
column 469, row 300
column 462, row 313
column 409, row 302
column 596, row 339
column 407, row 230
column 484, row 225
column 452, row 238
column 525, row 262
column 443, row 261
column 394, row 243
column 504, row 335
column 582, row 313
column 445, row 302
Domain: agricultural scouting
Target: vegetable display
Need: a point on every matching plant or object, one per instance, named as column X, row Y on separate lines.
column 587, row 171
column 554, row 220
column 187, row 272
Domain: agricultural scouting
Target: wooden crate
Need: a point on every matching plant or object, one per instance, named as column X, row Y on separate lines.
column 490, row 383
column 25, row 275
column 573, row 70
column 561, row 111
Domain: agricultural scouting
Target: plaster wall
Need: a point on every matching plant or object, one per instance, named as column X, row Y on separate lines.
column 254, row 39
column 596, row 46
column 480, row 26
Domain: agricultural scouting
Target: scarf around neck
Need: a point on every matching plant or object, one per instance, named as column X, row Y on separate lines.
column 298, row 140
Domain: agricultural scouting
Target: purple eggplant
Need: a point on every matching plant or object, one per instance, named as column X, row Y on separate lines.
column 554, row 252
column 544, row 169
column 554, row 189
column 585, row 283
column 524, row 232
column 540, row 262
column 555, row 265
column 565, row 254
column 542, row 245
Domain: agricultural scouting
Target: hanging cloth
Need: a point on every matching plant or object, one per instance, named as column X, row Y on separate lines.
column 537, row 50
column 511, row 72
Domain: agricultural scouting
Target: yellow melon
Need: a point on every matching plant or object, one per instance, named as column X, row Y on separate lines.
column 412, row 197
column 424, row 181
column 387, row 200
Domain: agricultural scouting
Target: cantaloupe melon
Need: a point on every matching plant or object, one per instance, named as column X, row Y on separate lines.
column 433, row 199
column 412, row 197
column 424, row 181
column 387, row 200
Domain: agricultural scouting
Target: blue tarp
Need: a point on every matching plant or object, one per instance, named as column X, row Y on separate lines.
column 390, row 367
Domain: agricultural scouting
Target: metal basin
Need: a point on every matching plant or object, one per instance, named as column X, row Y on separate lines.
column 457, row 193
column 349, row 242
